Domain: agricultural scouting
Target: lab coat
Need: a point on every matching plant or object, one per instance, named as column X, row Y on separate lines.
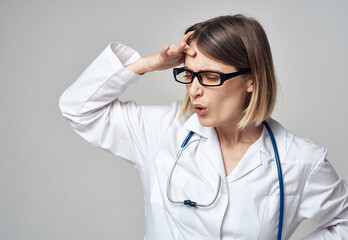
column 247, row 206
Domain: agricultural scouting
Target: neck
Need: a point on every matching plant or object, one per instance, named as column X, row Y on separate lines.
column 230, row 135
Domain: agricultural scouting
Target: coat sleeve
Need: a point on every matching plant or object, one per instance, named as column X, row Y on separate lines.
column 92, row 108
column 325, row 203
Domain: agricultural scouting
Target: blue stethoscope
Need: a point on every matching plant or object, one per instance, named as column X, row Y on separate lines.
column 190, row 203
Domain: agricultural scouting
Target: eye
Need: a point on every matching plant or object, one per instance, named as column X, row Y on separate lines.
column 212, row 77
column 187, row 75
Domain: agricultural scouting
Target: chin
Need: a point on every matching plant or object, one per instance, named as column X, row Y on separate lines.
column 206, row 122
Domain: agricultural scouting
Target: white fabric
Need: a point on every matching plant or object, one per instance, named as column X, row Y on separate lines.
column 247, row 206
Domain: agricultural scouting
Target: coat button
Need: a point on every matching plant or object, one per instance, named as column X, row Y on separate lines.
column 223, row 190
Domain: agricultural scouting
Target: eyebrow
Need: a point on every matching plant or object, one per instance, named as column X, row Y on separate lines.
column 201, row 70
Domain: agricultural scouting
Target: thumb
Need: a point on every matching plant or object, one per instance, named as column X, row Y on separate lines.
column 190, row 51
column 164, row 52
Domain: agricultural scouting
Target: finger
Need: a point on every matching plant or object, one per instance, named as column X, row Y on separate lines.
column 189, row 50
column 181, row 47
column 175, row 49
column 164, row 51
column 185, row 47
column 186, row 37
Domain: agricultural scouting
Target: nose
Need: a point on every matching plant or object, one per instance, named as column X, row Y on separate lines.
column 195, row 89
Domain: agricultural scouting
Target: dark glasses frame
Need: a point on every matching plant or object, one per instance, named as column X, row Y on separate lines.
column 223, row 76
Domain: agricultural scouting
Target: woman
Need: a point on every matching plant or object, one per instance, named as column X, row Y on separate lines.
column 227, row 168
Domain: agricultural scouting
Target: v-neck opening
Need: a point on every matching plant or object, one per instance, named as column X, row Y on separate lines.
column 243, row 166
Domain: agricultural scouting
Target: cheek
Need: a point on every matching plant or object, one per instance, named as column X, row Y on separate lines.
column 230, row 102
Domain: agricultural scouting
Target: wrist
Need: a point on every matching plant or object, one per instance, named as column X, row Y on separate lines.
column 138, row 67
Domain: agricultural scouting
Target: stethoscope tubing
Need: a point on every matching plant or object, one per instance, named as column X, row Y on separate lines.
column 188, row 202
column 280, row 179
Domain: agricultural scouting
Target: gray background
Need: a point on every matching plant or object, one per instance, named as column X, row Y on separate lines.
column 54, row 185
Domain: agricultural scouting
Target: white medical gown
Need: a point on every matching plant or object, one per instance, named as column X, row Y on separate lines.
column 247, row 206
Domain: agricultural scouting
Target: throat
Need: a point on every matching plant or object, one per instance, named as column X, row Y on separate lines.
column 232, row 156
column 234, row 148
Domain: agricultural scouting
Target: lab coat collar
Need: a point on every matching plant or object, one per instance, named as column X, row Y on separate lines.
column 263, row 147
column 193, row 124
column 212, row 150
column 262, row 151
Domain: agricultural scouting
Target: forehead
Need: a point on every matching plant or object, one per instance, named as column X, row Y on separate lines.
column 201, row 62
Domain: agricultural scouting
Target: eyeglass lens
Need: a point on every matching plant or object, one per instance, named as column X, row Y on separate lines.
column 207, row 78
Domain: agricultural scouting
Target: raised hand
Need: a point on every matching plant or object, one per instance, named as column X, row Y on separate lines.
column 167, row 57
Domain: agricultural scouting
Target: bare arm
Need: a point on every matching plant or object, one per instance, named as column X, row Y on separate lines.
column 167, row 57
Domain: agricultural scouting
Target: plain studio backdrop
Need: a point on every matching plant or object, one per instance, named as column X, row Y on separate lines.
column 54, row 185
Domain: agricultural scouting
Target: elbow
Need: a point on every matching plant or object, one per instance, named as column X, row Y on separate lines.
column 66, row 106
column 71, row 111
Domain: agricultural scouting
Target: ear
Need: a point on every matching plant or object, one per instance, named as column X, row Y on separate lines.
column 250, row 85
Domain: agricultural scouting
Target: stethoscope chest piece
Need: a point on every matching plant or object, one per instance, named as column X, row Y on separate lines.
column 194, row 204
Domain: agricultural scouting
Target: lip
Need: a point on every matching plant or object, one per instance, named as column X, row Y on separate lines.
column 200, row 109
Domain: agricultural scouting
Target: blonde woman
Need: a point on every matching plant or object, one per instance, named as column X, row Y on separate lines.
column 208, row 164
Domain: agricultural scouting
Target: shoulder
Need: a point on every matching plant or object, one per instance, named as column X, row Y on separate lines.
column 298, row 150
column 305, row 151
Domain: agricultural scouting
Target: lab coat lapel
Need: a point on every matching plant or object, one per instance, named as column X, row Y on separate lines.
column 211, row 150
column 262, row 150
column 253, row 158
column 250, row 160
column 213, row 153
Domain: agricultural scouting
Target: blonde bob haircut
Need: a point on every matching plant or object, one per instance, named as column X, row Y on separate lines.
column 241, row 42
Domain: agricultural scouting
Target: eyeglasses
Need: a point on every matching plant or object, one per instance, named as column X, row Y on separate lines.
column 205, row 78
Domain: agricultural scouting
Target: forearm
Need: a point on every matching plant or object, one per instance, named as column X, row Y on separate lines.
column 139, row 67
column 167, row 57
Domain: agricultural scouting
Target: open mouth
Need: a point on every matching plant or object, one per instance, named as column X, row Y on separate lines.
column 200, row 110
